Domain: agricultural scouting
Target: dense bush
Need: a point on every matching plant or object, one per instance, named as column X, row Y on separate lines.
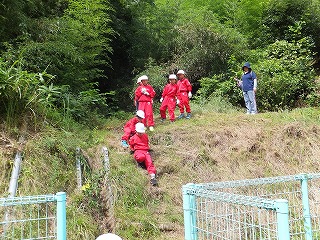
column 286, row 75
column 22, row 92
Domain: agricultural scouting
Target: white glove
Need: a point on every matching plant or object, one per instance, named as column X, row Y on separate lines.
column 161, row 99
column 189, row 94
column 143, row 90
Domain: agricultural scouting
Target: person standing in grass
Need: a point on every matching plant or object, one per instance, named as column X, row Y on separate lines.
column 144, row 95
column 139, row 144
column 129, row 128
column 135, row 100
column 248, row 84
column 169, row 98
column 184, row 94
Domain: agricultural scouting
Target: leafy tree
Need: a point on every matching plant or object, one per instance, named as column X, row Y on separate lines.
column 280, row 18
column 18, row 18
column 73, row 47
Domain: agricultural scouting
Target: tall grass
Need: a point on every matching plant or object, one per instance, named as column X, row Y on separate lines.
column 214, row 103
column 22, row 92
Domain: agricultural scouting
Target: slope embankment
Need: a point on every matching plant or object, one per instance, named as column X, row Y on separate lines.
column 210, row 147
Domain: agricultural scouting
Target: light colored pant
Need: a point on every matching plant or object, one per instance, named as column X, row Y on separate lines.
column 250, row 101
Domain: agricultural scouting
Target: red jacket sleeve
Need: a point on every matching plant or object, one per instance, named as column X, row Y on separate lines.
column 131, row 142
column 137, row 93
column 189, row 87
column 139, row 142
column 151, row 91
column 165, row 91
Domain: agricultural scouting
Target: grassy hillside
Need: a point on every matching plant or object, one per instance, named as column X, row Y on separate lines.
column 217, row 144
column 210, row 147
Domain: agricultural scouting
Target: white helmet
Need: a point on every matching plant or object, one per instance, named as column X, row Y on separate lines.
column 172, row 76
column 181, row 72
column 139, row 80
column 109, row 236
column 144, row 77
column 140, row 114
column 140, row 128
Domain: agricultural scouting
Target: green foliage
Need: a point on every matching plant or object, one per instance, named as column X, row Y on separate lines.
column 49, row 94
column 87, row 107
column 151, row 32
column 80, row 223
column 72, row 47
column 279, row 16
column 286, row 75
column 22, row 92
column 49, row 167
column 219, row 87
column 203, row 45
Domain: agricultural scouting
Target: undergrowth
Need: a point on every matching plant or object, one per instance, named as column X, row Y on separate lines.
column 218, row 143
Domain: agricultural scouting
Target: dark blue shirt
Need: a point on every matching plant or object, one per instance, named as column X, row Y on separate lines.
column 247, row 81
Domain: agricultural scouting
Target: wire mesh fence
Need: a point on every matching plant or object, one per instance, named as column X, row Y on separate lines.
column 254, row 209
column 33, row 217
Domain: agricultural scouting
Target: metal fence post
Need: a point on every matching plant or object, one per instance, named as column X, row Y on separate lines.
column 282, row 208
column 189, row 214
column 15, row 175
column 306, row 207
column 78, row 167
column 61, row 216
column 106, row 161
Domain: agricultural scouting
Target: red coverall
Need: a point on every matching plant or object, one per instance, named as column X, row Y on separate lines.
column 169, row 100
column 130, row 128
column 184, row 87
column 145, row 103
column 139, row 143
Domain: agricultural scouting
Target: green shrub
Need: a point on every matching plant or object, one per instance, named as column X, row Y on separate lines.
column 23, row 92
column 286, row 76
column 88, row 107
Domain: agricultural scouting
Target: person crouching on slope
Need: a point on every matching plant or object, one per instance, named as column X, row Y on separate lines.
column 139, row 143
column 184, row 93
column 130, row 128
column 144, row 95
column 169, row 98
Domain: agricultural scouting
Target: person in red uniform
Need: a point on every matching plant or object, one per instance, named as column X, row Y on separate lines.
column 184, row 93
column 130, row 128
column 135, row 100
column 144, row 95
column 169, row 98
column 139, row 143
